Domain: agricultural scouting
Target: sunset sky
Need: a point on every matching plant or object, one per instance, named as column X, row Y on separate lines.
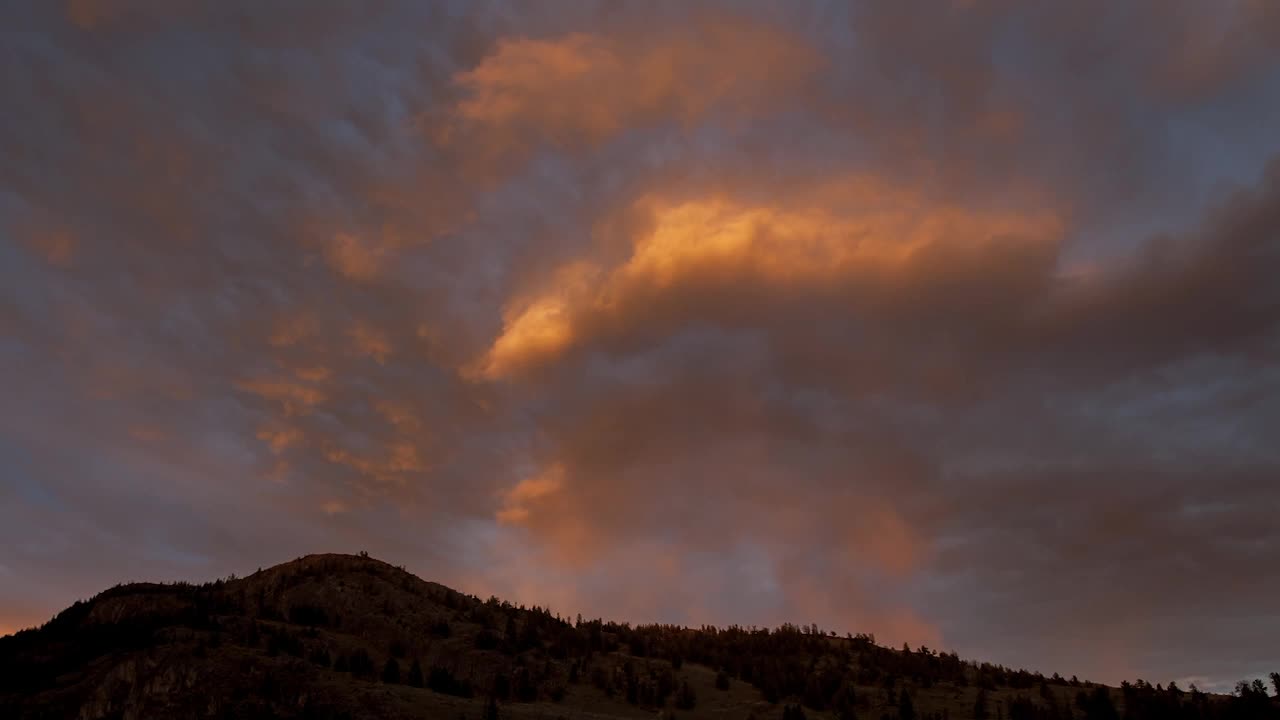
column 956, row 322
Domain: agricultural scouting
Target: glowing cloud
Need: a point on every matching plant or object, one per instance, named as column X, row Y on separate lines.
column 370, row 342
column 352, row 257
column 589, row 87
column 518, row 500
column 294, row 398
column 280, row 439
column 291, row 329
column 850, row 233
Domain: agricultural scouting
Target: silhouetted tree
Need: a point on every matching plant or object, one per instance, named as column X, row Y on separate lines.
column 391, row 672
column 488, row 640
column 441, row 680
column 1021, row 708
column 1097, row 705
column 980, row 711
column 906, row 710
column 1275, row 683
column 686, row 699
column 321, row 657
column 361, row 664
column 844, row 702
column 1251, row 701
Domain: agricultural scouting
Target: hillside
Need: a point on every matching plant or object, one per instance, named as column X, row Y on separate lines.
column 340, row 636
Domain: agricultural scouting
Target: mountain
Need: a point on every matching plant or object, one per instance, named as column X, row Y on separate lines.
column 342, row 636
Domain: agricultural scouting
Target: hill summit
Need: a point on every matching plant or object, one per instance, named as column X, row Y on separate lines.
column 349, row 636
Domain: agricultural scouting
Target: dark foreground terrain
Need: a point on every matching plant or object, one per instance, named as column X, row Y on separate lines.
column 341, row 636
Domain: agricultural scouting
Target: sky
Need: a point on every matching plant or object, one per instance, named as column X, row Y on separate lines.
column 954, row 322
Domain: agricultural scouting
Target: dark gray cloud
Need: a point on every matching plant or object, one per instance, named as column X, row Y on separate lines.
column 950, row 321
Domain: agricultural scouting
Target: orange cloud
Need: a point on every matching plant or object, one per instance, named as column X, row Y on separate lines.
column 333, row 507
column 883, row 536
column 541, row 326
column 57, row 247
column 399, row 416
column 292, row 329
column 518, row 500
column 280, row 439
column 402, row 457
column 313, row 374
column 370, row 342
column 352, row 257
column 848, row 233
column 584, row 86
column 294, row 398
column 388, row 468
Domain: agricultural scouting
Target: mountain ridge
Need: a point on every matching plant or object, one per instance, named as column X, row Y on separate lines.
column 347, row 636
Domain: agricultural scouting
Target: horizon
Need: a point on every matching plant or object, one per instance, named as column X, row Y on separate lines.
column 954, row 322
column 1202, row 683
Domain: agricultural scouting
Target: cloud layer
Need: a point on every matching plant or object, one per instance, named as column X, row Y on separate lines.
column 954, row 322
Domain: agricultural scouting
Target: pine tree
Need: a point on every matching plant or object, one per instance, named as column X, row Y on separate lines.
column 722, row 680
column 844, row 702
column 391, row 672
column 686, row 699
column 792, row 712
column 906, row 710
column 980, row 706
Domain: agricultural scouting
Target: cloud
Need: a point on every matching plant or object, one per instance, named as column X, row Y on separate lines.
column 350, row 257
column 370, row 342
column 584, row 88
column 280, row 439
column 883, row 242
column 516, row 500
column 951, row 322
column 57, row 247
column 293, row 398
